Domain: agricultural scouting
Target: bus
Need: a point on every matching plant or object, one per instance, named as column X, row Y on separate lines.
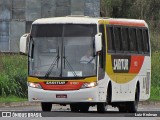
column 116, row 70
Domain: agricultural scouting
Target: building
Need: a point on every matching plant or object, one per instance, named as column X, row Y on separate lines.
column 16, row 16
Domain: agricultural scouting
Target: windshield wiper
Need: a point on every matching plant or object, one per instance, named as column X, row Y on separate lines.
column 69, row 65
column 55, row 61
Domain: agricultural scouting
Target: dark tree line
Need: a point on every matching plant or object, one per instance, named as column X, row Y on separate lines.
column 139, row 9
column 148, row 10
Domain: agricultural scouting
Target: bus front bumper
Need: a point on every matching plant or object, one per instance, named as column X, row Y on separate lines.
column 74, row 96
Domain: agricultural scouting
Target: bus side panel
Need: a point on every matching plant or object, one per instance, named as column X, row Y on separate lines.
column 145, row 81
column 123, row 92
column 124, row 84
column 102, row 88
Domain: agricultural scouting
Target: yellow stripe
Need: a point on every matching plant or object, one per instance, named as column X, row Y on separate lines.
column 106, row 22
column 90, row 79
column 122, row 78
column 101, row 21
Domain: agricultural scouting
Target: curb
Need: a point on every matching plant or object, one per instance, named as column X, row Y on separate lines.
column 19, row 104
column 26, row 103
column 153, row 103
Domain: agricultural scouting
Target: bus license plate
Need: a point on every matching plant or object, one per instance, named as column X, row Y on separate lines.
column 61, row 96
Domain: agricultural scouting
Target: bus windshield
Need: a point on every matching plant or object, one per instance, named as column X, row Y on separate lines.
column 62, row 50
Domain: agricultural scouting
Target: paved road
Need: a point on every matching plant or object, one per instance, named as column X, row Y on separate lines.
column 64, row 111
column 58, row 108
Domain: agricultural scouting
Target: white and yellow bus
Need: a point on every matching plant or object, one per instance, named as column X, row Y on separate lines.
column 116, row 71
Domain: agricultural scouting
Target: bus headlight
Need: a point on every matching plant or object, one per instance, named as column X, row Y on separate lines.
column 34, row 85
column 89, row 85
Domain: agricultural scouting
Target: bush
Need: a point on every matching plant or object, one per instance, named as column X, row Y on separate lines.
column 155, row 69
column 13, row 76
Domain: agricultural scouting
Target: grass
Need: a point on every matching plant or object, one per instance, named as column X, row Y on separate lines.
column 13, row 75
column 155, row 94
column 155, row 78
column 155, row 69
column 11, row 98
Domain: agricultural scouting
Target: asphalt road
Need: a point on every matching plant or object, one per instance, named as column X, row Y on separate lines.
column 65, row 113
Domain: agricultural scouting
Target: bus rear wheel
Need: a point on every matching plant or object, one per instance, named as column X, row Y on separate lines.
column 133, row 106
column 130, row 107
column 123, row 109
column 46, row 106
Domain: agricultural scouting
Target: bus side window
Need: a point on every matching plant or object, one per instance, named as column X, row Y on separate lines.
column 146, row 40
column 110, row 39
column 117, row 38
column 140, row 40
column 125, row 39
column 133, row 40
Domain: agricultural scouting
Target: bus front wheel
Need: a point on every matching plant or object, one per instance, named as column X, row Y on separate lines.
column 84, row 108
column 79, row 107
column 46, row 106
column 102, row 107
column 74, row 107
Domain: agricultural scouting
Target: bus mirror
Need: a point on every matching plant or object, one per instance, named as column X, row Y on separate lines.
column 98, row 42
column 24, row 44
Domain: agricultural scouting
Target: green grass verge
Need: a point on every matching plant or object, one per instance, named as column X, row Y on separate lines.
column 155, row 77
column 13, row 75
column 155, row 94
column 12, row 99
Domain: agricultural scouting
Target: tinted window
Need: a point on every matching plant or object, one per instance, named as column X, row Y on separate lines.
column 79, row 30
column 146, row 40
column 133, row 40
column 57, row 30
column 125, row 39
column 110, row 39
column 47, row 30
column 117, row 38
column 140, row 40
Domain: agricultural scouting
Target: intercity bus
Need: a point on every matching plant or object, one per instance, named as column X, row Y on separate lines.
column 117, row 74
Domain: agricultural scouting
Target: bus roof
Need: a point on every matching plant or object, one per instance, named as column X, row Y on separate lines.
column 90, row 20
column 128, row 22
column 67, row 19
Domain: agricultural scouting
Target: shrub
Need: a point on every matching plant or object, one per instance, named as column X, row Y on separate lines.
column 13, row 76
column 155, row 69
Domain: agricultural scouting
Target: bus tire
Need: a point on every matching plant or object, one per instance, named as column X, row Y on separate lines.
column 123, row 109
column 102, row 107
column 84, row 108
column 46, row 106
column 74, row 107
column 133, row 106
